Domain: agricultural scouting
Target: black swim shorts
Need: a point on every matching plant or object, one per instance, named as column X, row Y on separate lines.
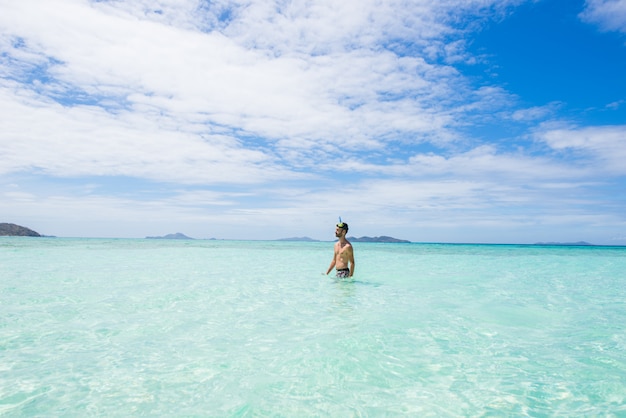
column 343, row 273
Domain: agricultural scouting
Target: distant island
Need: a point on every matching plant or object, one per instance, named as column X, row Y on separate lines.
column 579, row 243
column 382, row 238
column 177, row 235
column 12, row 230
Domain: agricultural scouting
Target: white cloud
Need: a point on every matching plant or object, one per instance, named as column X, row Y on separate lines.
column 486, row 162
column 243, row 115
column 234, row 77
column 536, row 113
column 609, row 15
column 163, row 100
column 86, row 140
column 100, row 54
column 615, row 105
column 600, row 148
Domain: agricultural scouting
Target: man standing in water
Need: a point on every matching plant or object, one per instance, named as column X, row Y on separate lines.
column 343, row 259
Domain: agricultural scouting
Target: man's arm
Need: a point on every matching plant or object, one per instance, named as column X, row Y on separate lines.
column 351, row 261
column 332, row 263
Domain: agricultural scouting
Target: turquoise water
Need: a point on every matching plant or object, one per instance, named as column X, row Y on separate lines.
column 92, row 327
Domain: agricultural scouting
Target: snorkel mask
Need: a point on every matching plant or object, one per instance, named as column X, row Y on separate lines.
column 342, row 225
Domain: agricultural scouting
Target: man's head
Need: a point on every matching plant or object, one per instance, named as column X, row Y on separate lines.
column 342, row 229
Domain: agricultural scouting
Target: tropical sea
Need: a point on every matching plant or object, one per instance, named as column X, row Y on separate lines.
column 136, row 327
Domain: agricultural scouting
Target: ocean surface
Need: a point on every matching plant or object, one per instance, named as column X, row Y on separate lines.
column 122, row 327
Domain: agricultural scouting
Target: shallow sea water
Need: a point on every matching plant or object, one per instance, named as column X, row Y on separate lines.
column 104, row 327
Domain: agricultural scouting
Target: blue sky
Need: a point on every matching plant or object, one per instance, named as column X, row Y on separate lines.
column 451, row 121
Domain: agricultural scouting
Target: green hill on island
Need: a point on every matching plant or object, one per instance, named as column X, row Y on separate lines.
column 12, row 230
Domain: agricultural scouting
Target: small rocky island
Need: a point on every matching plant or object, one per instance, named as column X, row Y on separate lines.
column 12, row 230
column 177, row 235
